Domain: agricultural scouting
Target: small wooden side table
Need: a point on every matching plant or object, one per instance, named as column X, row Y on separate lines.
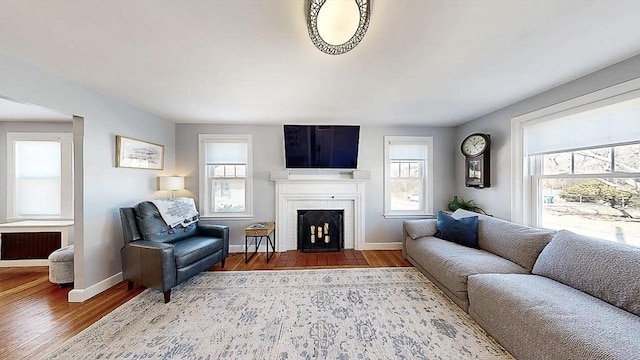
column 257, row 232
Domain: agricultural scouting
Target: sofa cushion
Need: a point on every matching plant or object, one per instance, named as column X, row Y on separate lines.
column 450, row 263
column 537, row 318
column 462, row 231
column 419, row 228
column 604, row 269
column 518, row 243
column 190, row 250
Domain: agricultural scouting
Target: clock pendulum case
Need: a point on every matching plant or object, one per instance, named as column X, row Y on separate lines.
column 477, row 151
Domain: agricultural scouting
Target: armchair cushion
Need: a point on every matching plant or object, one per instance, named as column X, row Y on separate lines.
column 188, row 251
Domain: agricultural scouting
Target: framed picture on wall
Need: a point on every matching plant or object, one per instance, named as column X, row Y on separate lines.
column 133, row 153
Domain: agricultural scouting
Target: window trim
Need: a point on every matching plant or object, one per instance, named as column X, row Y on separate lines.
column 428, row 189
column 203, row 139
column 66, row 173
column 523, row 209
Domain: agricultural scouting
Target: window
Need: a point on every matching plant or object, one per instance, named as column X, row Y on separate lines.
column 595, row 192
column 39, row 175
column 408, row 175
column 225, row 175
column 576, row 165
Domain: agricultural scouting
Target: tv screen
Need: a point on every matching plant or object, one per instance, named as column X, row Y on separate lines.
column 323, row 146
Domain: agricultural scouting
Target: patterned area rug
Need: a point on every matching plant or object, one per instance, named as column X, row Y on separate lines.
column 380, row 313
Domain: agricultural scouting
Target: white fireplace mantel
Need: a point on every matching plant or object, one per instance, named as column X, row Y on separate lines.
column 316, row 192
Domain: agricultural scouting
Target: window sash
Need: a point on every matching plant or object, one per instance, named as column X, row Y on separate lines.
column 407, row 169
column 588, row 212
column 584, row 192
column 610, row 158
column 222, row 191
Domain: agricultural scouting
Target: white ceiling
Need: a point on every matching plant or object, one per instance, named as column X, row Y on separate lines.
column 248, row 61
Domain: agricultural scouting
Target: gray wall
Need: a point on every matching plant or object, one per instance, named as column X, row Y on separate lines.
column 496, row 200
column 98, row 233
column 107, row 188
column 268, row 155
column 21, row 126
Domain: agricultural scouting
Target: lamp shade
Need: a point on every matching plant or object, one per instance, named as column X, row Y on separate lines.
column 171, row 183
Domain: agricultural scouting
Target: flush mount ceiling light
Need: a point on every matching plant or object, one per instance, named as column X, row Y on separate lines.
column 337, row 26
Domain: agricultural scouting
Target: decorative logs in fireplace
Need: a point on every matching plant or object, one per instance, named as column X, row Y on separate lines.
column 320, row 230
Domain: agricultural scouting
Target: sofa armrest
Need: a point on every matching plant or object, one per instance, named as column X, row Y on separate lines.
column 149, row 263
column 419, row 228
column 415, row 229
column 217, row 231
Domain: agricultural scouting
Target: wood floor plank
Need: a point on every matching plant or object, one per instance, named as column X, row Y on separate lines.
column 36, row 314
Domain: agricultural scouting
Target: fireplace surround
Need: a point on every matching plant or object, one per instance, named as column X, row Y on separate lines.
column 319, row 192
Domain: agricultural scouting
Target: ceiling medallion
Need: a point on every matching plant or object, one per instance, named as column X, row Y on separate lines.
column 364, row 9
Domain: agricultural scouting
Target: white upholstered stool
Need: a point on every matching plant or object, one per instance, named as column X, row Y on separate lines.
column 61, row 266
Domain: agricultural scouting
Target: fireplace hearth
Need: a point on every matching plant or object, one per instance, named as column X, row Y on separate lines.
column 320, row 230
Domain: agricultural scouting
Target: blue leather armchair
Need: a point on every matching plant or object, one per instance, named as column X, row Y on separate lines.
column 159, row 257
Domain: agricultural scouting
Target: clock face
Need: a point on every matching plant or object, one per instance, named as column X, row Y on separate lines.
column 474, row 145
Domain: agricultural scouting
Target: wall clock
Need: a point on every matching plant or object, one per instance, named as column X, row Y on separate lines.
column 477, row 151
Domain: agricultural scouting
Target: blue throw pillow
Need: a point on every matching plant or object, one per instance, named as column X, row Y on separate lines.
column 461, row 231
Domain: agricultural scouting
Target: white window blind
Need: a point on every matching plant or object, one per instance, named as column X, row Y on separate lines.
column 399, row 151
column 39, row 175
column 226, row 152
column 614, row 120
column 37, row 172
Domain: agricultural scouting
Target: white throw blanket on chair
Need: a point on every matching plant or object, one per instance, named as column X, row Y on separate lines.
column 177, row 211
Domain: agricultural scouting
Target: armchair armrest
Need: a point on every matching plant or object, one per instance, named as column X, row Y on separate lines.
column 149, row 263
column 217, row 231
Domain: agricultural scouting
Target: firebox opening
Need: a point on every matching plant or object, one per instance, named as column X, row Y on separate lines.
column 320, row 230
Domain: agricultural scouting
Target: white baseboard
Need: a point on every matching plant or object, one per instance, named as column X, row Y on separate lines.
column 240, row 248
column 382, row 246
column 366, row 246
column 81, row 295
column 24, row 263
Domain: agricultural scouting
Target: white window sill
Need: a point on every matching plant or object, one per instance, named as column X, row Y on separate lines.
column 409, row 216
column 227, row 217
column 38, row 218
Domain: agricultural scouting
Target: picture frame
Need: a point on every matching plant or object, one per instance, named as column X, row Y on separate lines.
column 138, row 154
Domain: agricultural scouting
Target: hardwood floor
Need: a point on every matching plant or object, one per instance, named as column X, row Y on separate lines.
column 35, row 314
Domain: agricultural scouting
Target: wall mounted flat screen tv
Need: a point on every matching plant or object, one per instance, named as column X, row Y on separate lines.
column 321, row 147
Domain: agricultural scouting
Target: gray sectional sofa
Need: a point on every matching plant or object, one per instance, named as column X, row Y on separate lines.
column 541, row 294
